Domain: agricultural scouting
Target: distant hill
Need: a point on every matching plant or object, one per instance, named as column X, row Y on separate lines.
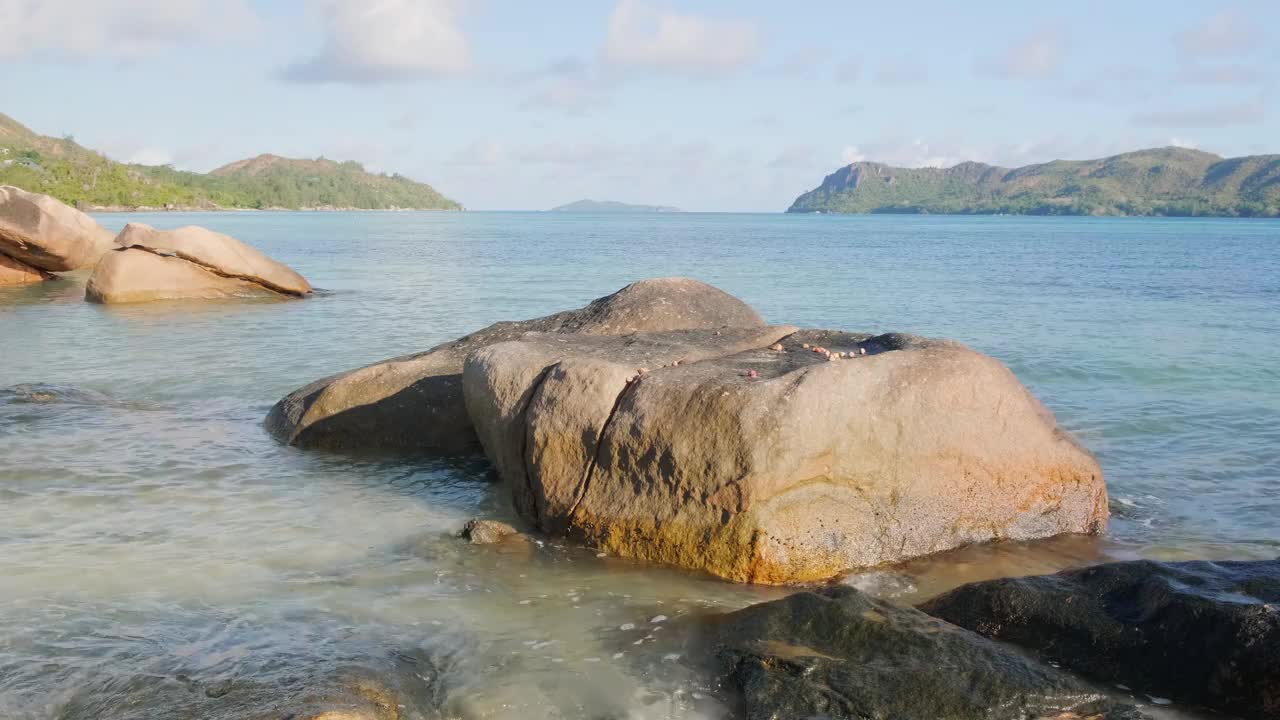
column 610, row 206
column 1162, row 181
column 79, row 176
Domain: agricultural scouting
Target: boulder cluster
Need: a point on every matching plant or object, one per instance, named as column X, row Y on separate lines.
column 668, row 423
column 40, row 236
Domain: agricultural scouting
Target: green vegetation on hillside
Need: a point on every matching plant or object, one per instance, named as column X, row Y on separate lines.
column 79, row 176
column 1164, row 181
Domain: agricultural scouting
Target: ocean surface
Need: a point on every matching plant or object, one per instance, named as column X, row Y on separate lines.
column 154, row 541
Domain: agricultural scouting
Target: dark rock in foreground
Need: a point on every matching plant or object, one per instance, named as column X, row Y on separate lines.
column 415, row 402
column 1201, row 633
column 837, row 653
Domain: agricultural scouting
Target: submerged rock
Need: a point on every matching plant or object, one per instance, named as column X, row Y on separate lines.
column 16, row 272
column 55, row 394
column 1201, row 633
column 46, row 234
column 406, row 686
column 802, row 471
column 415, row 402
column 488, row 532
column 836, row 653
column 187, row 263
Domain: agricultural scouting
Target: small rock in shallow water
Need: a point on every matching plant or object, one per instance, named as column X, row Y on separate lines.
column 487, row 532
column 218, row 690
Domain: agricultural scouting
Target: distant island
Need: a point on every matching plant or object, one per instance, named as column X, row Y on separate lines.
column 1169, row 181
column 610, row 206
column 78, row 176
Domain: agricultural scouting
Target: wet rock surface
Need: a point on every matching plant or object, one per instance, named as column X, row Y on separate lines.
column 773, row 456
column 488, row 532
column 415, row 402
column 1202, row 633
column 836, row 653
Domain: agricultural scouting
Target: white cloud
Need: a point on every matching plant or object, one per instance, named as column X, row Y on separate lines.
column 377, row 41
column 482, row 153
column 572, row 96
column 1222, row 34
column 902, row 71
column 948, row 151
column 804, row 61
column 690, row 173
column 1114, row 83
column 569, row 85
column 1232, row 74
column 126, row 29
column 903, row 153
column 151, row 156
column 645, row 35
column 1250, row 112
column 1037, row 56
column 850, row 70
column 645, row 157
column 794, row 157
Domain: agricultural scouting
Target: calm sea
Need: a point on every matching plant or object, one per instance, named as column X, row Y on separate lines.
column 149, row 529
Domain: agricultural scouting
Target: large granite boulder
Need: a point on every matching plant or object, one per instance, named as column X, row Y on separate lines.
column 837, row 654
column 780, row 464
column 415, row 402
column 217, row 253
column 187, row 263
column 1202, row 633
column 16, row 272
column 541, row 403
column 45, row 234
column 131, row 275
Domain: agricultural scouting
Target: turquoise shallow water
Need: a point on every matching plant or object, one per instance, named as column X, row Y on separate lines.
column 149, row 527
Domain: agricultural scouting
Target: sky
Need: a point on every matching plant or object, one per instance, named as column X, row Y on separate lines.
column 700, row 104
